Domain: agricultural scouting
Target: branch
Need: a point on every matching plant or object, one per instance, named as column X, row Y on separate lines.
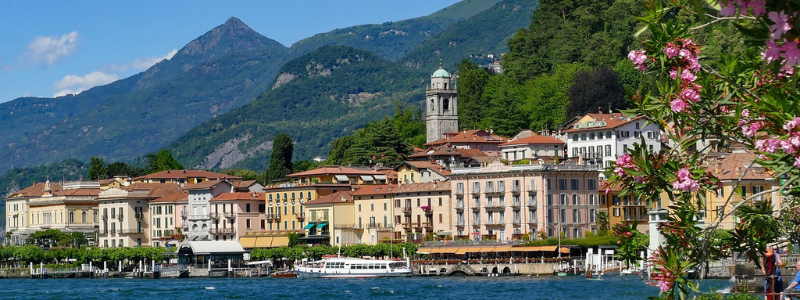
column 718, row 19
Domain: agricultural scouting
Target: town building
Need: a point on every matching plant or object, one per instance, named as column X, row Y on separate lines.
column 247, row 209
column 598, row 139
column 203, row 217
column 623, row 209
column 485, row 141
column 531, row 146
column 422, row 209
column 125, row 214
column 166, row 210
column 329, row 217
column 441, row 114
column 420, row 171
column 73, row 208
column 373, row 216
column 450, row 157
column 501, row 202
column 18, row 223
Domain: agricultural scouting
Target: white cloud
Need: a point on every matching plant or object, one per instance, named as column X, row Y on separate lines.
column 50, row 49
column 73, row 84
column 140, row 63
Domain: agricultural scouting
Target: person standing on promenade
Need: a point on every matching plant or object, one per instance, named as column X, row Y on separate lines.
column 770, row 267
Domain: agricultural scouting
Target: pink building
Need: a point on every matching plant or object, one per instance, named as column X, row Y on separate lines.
column 243, row 211
column 500, row 202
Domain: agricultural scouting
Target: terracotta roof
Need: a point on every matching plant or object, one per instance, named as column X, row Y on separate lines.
column 36, row 190
column 612, row 121
column 172, row 198
column 424, row 187
column 157, row 190
column 333, row 198
column 334, row 170
column 390, row 173
column 183, row 174
column 437, row 151
column 240, row 196
column 105, row 181
column 731, row 166
column 367, row 190
column 78, row 192
column 430, row 166
column 534, row 139
column 469, row 136
column 243, row 183
column 472, row 153
column 208, row 184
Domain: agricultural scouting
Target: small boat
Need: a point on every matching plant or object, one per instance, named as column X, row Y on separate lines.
column 283, row 274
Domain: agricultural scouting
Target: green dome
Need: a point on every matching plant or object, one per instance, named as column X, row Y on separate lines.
column 440, row 73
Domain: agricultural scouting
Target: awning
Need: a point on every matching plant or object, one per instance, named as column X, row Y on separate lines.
column 462, row 251
column 380, row 177
column 367, row 178
column 502, row 249
column 564, row 250
column 444, row 250
column 548, row 248
column 263, row 242
column 341, row 178
column 321, row 225
column 424, row 250
column 309, row 226
column 487, row 249
column 280, row 241
column 248, row 241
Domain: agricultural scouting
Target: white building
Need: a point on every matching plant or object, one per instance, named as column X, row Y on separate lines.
column 529, row 145
column 200, row 216
column 601, row 138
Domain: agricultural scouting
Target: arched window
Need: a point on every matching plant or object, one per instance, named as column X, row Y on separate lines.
column 432, row 106
column 83, row 217
column 600, row 135
column 285, row 196
column 270, row 197
column 71, row 217
column 309, row 195
column 575, row 137
column 446, row 104
column 583, row 137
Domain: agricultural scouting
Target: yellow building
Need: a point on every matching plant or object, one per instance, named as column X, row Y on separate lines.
column 623, row 209
column 420, row 171
column 728, row 168
column 327, row 212
column 70, row 209
column 18, row 209
column 126, row 216
column 421, row 208
column 374, row 214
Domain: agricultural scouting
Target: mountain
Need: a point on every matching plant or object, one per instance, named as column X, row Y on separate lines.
column 222, row 69
column 475, row 38
column 392, row 40
column 317, row 98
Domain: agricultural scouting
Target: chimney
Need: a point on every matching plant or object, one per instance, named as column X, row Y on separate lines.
column 167, row 171
column 718, row 167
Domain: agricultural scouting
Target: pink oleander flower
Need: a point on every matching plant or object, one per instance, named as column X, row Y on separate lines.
column 768, row 145
column 781, row 26
column 638, row 57
column 673, row 74
column 759, row 7
column 683, row 174
column 797, row 162
column 727, row 9
column 688, row 76
column 773, row 52
column 690, row 95
column 792, row 124
column 745, row 113
column 787, row 147
column 685, row 53
column 790, row 53
column 638, row 179
column 750, row 131
column 625, row 161
column 619, row 172
column 693, row 64
column 678, row 105
column 670, row 50
column 795, row 140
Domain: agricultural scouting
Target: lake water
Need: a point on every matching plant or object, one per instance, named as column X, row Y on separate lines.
column 505, row 288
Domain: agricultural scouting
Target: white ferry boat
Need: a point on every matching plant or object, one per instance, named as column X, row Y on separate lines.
column 347, row 267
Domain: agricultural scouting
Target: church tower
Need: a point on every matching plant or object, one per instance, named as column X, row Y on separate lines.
column 441, row 114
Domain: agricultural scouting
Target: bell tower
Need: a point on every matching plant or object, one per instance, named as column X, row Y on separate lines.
column 441, row 114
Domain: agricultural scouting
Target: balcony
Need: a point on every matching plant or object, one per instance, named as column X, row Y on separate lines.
column 139, row 215
column 459, row 191
column 301, row 216
column 460, row 223
column 407, row 226
column 532, row 221
column 427, row 210
column 516, row 204
column 532, row 203
column 495, row 222
column 495, row 205
column 104, row 217
column 459, row 205
column 428, row 226
column 476, row 222
column 223, row 231
column 183, row 215
column 517, row 221
column 476, row 191
column 344, row 226
column 131, row 231
column 214, row 215
column 515, row 189
column 229, row 215
column 407, row 210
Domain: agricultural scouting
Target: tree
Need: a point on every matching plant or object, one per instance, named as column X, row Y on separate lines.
column 598, row 89
column 121, row 168
column 744, row 97
column 244, row 174
column 280, row 160
column 471, row 105
column 97, row 168
column 162, row 161
column 503, row 114
column 546, row 99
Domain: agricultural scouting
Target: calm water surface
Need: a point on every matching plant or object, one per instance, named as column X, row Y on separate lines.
column 505, row 288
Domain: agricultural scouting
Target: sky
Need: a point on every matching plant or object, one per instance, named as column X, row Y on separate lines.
column 55, row 47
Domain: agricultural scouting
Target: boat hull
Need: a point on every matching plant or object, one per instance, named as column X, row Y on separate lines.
column 312, row 274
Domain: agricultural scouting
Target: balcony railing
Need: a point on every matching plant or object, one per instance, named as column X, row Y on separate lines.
column 476, row 222
column 183, row 214
column 214, row 215
column 476, row 191
column 515, row 189
column 301, row 216
column 131, row 231
column 229, row 215
column 460, row 223
column 516, row 203
column 532, row 220
column 407, row 210
column 344, row 226
column 459, row 205
column 459, row 191
column 223, row 231
column 532, row 203
column 517, row 220
column 495, row 205
column 138, row 215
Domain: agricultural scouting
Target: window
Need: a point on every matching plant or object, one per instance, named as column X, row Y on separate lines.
column 744, row 193
column 562, row 184
column 563, row 215
column 592, row 197
column 624, row 134
column 591, row 136
column 71, row 217
column 247, row 222
column 615, row 201
column 575, row 199
column 247, row 207
column 616, row 211
column 592, row 215
column 603, row 199
column 600, row 135
column 575, row 137
column 608, row 150
column 574, row 184
column 563, row 199
column 592, row 184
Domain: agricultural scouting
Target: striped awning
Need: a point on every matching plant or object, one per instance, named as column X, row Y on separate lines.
column 462, row 251
column 380, row 177
column 367, row 178
column 341, row 178
column 248, row 241
column 502, row 248
column 280, row 241
column 444, row 250
column 263, row 242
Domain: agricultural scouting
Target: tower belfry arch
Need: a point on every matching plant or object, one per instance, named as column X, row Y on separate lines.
column 441, row 113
